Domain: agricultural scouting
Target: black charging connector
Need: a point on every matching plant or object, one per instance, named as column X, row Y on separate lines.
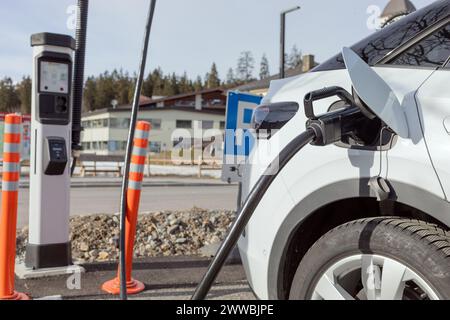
column 333, row 126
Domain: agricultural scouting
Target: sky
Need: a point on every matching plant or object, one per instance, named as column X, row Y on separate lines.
column 187, row 35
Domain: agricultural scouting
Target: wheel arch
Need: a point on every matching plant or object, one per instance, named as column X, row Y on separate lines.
column 313, row 217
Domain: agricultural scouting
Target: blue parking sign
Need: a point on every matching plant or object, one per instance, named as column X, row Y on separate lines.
column 239, row 141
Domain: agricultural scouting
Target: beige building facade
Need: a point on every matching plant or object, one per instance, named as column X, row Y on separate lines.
column 105, row 131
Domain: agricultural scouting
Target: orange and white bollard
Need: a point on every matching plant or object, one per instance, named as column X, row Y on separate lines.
column 8, row 219
column 138, row 161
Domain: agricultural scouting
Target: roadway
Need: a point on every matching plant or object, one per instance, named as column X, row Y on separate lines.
column 86, row 200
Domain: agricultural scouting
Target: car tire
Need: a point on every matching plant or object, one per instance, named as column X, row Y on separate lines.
column 383, row 246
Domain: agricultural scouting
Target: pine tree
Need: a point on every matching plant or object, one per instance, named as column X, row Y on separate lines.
column 122, row 84
column 148, row 86
column 185, row 84
column 170, row 85
column 158, row 82
column 198, row 84
column 174, row 84
column 231, row 80
column 132, row 88
column 294, row 59
column 9, row 99
column 105, row 91
column 24, row 91
column 246, row 64
column 90, row 93
column 264, row 69
column 212, row 78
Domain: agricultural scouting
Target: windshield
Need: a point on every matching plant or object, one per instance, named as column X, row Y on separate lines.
column 375, row 47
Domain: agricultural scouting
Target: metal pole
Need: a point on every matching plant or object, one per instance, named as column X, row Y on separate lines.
column 283, row 40
column 283, row 45
column 239, row 197
column 134, row 114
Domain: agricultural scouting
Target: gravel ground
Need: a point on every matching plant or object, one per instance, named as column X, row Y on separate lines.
column 166, row 233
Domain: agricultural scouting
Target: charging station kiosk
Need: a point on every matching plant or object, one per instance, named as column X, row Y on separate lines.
column 49, row 244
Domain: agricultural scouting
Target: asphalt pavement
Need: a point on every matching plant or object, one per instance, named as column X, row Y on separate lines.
column 171, row 278
column 168, row 278
column 102, row 196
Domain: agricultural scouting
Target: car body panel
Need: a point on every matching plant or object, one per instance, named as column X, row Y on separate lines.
column 433, row 102
column 315, row 168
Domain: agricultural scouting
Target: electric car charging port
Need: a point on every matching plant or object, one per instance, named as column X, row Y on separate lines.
column 61, row 105
column 367, row 131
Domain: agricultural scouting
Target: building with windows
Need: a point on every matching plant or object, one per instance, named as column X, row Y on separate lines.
column 196, row 115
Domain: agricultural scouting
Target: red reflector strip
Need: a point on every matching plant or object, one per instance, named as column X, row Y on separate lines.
column 138, row 160
column 13, row 119
column 11, row 138
column 144, row 126
column 135, row 176
column 11, row 157
column 10, row 176
column 141, row 143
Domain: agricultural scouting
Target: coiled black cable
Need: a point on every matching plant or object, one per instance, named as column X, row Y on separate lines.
column 78, row 76
column 248, row 209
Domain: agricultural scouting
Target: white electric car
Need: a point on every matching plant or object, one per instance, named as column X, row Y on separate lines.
column 365, row 218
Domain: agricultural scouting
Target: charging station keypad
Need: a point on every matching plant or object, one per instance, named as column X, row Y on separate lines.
column 57, row 156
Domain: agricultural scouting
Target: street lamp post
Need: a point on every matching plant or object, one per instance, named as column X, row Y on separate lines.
column 283, row 40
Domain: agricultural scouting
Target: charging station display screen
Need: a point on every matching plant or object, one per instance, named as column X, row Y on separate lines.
column 54, row 77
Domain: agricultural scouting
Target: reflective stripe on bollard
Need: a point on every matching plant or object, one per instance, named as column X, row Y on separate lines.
column 8, row 219
column 140, row 149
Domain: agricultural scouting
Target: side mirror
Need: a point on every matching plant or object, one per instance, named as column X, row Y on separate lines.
column 375, row 93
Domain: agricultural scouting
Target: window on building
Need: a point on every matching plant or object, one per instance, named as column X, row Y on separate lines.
column 116, row 123
column 222, row 125
column 124, row 123
column 156, row 123
column 184, row 124
column 113, row 146
column 113, row 123
column 432, row 51
column 206, row 125
column 154, row 146
column 99, row 123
